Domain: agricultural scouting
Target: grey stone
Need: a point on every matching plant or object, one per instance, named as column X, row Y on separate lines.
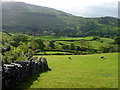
column 15, row 73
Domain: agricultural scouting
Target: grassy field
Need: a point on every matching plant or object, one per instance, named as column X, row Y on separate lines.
column 97, row 44
column 80, row 41
column 93, row 43
column 82, row 71
column 60, row 38
column 53, row 52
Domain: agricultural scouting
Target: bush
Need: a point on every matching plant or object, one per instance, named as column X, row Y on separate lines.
column 13, row 43
column 22, row 52
column 65, row 47
column 72, row 46
column 117, row 39
column 104, row 49
column 34, row 45
column 96, row 38
column 114, row 48
column 92, row 51
column 51, row 44
column 20, row 38
column 78, row 48
column 40, row 43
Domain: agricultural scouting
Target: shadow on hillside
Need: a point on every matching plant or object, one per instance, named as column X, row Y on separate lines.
column 29, row 82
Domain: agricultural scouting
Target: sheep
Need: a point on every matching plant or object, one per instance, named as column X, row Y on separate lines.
column 70, row 58
column 102, row 57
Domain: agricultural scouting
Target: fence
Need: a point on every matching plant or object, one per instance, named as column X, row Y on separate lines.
column 15, row 73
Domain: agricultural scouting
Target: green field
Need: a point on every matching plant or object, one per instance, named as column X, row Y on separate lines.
column 53, row 52
column 94, row 43
column 97, row 44
column 82, row 71
column 80, row 41
column 60, row 38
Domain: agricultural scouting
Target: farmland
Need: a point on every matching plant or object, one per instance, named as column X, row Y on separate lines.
column 42, row 47
column 82, row 71
column 85, row 69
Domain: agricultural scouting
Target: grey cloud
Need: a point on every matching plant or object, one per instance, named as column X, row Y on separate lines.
column 101, row 11
column 97, row 11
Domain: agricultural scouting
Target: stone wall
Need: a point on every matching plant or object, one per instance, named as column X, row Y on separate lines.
column 15, row 73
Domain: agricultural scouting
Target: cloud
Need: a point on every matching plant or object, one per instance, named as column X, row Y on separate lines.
column 101, row 10
column 7, row 0
column 95, row 10
column 87, row 8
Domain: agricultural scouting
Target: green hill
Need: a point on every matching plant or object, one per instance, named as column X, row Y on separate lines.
column 19, row 17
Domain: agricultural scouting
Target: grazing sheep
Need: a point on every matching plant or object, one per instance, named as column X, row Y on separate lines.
column 102, row 57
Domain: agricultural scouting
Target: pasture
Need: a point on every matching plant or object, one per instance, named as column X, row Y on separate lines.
column 78, row 41
column 94, row 43
column 82, row 71
column 54, row 52
column 60, row 38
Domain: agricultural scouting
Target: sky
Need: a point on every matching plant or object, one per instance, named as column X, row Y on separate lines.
column 85, row 8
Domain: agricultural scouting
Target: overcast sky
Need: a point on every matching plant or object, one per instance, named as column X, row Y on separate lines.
column 85, row 8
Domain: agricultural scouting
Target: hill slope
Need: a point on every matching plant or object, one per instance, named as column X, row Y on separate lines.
column 19, row 17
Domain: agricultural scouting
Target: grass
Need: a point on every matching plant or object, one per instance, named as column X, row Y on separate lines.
column 94, row 43
column 83, row 71
column 53, row 52
column 60, row 38
column 12, row 34
column 97, row 44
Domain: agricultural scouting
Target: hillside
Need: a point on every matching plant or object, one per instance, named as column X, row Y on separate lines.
column 19, row 17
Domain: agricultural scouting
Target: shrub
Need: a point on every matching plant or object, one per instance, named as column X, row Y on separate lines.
column 65, row 47
column 72, row 46
column 13, row 43
column 20, row 37
column 40, row 43
column 22, row 52
column 51, row 44
column 78, row 48
column 117, row 39
column 96, row 38
column 104, row 49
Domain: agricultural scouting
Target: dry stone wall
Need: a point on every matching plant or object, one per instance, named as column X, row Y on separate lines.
column 15, row 73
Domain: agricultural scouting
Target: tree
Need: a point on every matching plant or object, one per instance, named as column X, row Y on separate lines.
column 114, row 48
column 72, row 46
column 51, row 44
column 104, row 49
column 78, row 48
column 20, row 37
column 40, row 43
column 66, row 47
column 34, row 45
column 117, row 40
column 96, row 38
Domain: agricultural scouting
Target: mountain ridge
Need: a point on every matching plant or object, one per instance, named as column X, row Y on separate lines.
column 19, row 17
